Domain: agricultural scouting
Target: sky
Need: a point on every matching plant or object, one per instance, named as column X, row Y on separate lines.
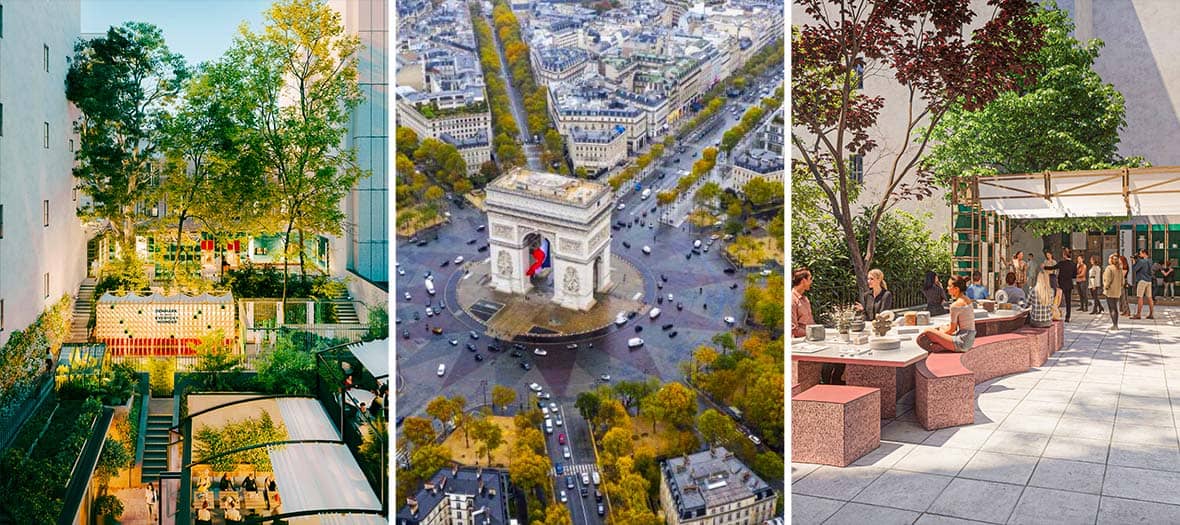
column 201, row 30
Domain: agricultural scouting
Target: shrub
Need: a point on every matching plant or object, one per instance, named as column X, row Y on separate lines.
column 21, row 358
column 287, row 369
column 378, row 324
column 237, row 434
column 109, row 506
column 163, row 376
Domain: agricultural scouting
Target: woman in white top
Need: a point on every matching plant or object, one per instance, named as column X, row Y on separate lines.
column 1095, row 283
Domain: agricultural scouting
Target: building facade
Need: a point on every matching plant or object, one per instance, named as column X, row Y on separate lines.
column 366, row 231
column 42, row 241
column 459, row 496
column 713, row 487
column 597, row 150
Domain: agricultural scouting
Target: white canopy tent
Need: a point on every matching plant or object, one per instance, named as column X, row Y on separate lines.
column 374, row 356
column 313, row 476
column 1094, row 193
column 306, row 419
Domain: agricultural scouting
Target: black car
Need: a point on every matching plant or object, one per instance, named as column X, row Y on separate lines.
column 479, row 357
column 400, row 419
column 659, row 286
column 626, row 244
column 614, row 228
column 518, row 346
column 666, row 327
column 423, row 243
column 569, row 482
column 473, row 334
column 483, row 248
column 679, row 306
column 493, row 348
column 630, row 315
column 516, row 353
column 733, row 286
column 480, row 227
column 445, row 263
column 470, row 347
column 672, row 334
column 417, row 316
column 405, row 334
column 729, row 271
column 601, row 510
column 442, row 305
column 660, row 300
column 597, row 495
column 585, row 492
column 473, row 241
column 662, row 278
column 638, row 328
column 525, row 365
column 687, row 256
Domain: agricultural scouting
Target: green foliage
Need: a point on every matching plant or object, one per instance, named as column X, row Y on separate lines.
column 233, row 435
column 1043, row 227
column 374, row 449
column 287, row 369
column 21, row 358
column 215, row 357
column 36, row 495
column 113, row 385
column 252, row 282
column 905, row 252
column 108, row 505
column 115, row 456
column 378, row 324
column 123, row 275
column 162, row 371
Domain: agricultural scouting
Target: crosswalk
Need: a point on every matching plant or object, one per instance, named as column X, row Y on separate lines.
column 574, row 469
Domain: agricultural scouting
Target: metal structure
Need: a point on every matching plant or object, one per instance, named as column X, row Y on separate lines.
column 980, row 238
column 1088, row 193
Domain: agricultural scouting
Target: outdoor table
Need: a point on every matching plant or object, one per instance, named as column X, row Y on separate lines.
column 890, row 370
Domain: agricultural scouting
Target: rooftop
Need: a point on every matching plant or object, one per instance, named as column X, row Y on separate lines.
column 549, row 186
column 709, row 479
column 485, row 484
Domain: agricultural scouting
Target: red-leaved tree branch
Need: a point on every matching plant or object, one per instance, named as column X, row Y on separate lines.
column 933, row 55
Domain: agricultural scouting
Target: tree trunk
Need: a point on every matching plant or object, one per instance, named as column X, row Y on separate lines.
column 302, row 265
column 176, row 252
column 286, row 246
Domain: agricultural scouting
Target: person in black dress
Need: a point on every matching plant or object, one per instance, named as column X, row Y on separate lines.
column 1067, row 273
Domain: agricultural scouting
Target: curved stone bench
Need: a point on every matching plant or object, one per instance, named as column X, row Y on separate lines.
column 944, row 394
column 835, row 424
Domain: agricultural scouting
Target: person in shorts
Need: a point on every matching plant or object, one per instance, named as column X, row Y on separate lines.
column 1143, row 281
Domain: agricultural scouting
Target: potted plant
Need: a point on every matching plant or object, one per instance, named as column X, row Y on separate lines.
column 843, row 316
column 109, row 509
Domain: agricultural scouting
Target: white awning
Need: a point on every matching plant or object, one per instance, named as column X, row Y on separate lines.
column 1092, row 193
column 305, row 419
column 374, row 356
column 321, row 476
column 339, row 519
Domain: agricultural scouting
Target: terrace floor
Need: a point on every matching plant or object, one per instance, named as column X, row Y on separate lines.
column 1088, row 438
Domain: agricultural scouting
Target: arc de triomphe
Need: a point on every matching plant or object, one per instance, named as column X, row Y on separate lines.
column 526, row 206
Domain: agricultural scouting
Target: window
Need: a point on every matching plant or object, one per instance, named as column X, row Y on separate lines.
column 46, row 285
column 46, row 58
column 45, row 138
column 1, row 28
column 856, row 169
column 1, row 221
column 1, row 315
column 45, row 212
column 71, row 144
column 1, row 120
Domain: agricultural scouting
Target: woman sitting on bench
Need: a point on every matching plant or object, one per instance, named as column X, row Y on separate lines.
column 959, row 334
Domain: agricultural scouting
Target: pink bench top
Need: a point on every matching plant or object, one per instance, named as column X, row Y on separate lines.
column 840, row 394
column 945, row 365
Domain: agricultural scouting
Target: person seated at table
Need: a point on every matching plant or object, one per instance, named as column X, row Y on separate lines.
column 232, row 515
column 204, row 516
column 935, row 294
column 959, row 334
column 800, row 306
column 1014, row 293
column 878, row 298
column 203, row 483
column 977, row 290
column 1042, row 301
column 249, row 485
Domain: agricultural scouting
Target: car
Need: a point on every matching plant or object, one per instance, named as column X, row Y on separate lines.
column 585, row 478
column 605, row 378
column 548, row 426
column 557, row 419
column 423, row 243
column 659, row 286
column 559, row 468
column 696, row 243
column 454, row 342
column 470, row 347
column 444, row 264
column 569, row 481
column 621, row 207
column 442, row 305
column 417, row 316
column 646, row 250
column 459, row 260
column 631, row 314
column 565, row 451
column 518, row 346
column 437, row 330
column 407, row 296
column 733, row 286
column 729, row 319
column 597, row 495
column 679, row 306
column 538, row 351
column 480, row 227
column 766, row 272
column 754, row 439
column 544, row 409
column 626, row 244
column 479, row 357
column 561, row 438
column 405, row 334
column 552, row 407
column 672, row 334
column 687, row 256
column 706, row 249
column 670, row 298
column 666, row 327
column 585, row 492
column 401, row 271
column 638, row 328
column 397, row 320
column 729, row 271
column 654, row 313
column 429, row 312
column 472, row 241
column 442, row 369
column 594, row 476
column 429, row 274
column 571, row 346
column 473, row 334
column 493, row 348
column 534, row 387
column 516, row 353
column 634, row 342
column 601, row 510
column 621, row 319
column 483, row 248
column 525, row 365
column 544, row 395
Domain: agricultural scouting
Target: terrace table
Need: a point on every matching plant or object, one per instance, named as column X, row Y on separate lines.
column 890, row 370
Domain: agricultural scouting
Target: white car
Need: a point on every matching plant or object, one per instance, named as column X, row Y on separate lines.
column 454, row 342
column 696, row 243
column 401, row 271
column 538, row 351
column 621, row 206
column 729, row 320
column 407, row 296
column 459, row 260
column 647, row 249
column 557, row 419
column 553, row 407
column 442, row 369
column 670, row 297
column 429, row 312
column 563, row 496
column 565, row 453
column 634, row 342
column 655, row 312
column 605, row 378
column 766, row 272
column 754, row 439
column 621, row 319
column 714, row 237
column 534, row 387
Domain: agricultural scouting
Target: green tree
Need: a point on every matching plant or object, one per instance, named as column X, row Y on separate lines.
column 488, row 435
column 503, row 396
column 114, row 458
column 216, row 356
column 632, row 393
column 407, row 141
column 761, row 191
column 419, row 431
column 442, row 409
column 529, row 470
column 425, row 461
column 288, row 369
column 588, row 405
column 211, row 441
column 716, row 428
column 300, row 85
column 707, row 193
column 124, row 84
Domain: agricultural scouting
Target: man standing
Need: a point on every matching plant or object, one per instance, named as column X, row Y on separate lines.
column 1067, row 274
column 1020, row 268
column 1142, row 273
column 800, row 305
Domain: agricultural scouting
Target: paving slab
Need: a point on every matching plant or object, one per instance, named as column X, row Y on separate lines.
column 978, row 500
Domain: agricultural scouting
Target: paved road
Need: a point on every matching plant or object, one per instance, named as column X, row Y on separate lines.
column 577, row 434
column 531, row 152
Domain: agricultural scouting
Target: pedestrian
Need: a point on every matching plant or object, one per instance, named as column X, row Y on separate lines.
column 1020, row 268
column 1112, row 287
column 149, row 496
column 1169, row 274
column 1050, row 266
column 1143, row 281
column 1124, row 302
column 1080, row 281
column 935, row 294
column 1096, row 283
column 1066, row 272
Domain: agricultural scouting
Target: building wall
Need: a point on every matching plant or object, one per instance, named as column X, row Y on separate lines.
column 594, row 155
column 366, row 236
column 30, row 173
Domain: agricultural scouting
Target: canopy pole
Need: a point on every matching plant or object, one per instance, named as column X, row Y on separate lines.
column 1127, row 189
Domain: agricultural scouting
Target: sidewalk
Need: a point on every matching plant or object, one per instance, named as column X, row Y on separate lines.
column 1088, row 438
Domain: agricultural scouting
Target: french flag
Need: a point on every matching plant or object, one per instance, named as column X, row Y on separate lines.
column 540, row 258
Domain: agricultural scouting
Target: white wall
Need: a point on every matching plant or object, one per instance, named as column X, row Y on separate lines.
column 30, row 173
